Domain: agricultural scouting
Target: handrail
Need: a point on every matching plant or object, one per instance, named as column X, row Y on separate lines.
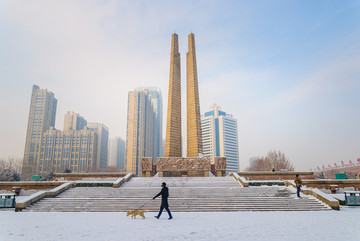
column 27, row 201
column 242, row 180
column 121, row 180
column 332, row 202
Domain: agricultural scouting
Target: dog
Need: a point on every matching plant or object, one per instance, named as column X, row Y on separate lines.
column 134, row 213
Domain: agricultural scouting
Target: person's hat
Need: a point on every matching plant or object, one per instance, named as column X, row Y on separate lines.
column 164, row 183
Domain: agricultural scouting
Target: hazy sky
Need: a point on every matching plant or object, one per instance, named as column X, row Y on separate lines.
column 289, row 71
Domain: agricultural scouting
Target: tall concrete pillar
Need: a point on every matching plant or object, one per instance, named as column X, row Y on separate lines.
column 173, row 123
column 194, row 137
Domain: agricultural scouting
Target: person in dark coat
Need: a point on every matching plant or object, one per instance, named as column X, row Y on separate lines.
column 164, row 201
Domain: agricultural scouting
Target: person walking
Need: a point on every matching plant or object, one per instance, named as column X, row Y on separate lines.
column 164, row 201
column 298, row 183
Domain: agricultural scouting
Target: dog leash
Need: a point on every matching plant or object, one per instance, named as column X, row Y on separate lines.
column 142, row 205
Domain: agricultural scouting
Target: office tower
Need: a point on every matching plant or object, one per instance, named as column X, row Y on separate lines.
column 194, row 137
column 74, row 121
column 220, row 137
column 75, row 150
column 41, row 117
column 162, row 148
column 141, row 128
column 117, row 153
column 173, row 122
column 103, row 140
column 156, row 100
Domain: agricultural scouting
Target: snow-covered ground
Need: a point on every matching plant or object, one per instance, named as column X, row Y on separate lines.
column 325, row 225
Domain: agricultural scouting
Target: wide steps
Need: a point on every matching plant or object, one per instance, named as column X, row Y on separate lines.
column 209, row 194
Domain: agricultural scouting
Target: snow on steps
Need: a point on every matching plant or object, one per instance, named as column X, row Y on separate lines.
column 332, row 202
column 195, row 194
column 27, row 201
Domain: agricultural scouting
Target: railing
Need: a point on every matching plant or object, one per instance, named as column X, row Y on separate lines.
column 27, row 201
column 332, row 202
column 242, row 180
column 121, row 180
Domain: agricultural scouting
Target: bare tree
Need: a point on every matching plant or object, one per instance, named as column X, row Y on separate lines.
column 279, row 161
column 10, row 169
column 274, row 160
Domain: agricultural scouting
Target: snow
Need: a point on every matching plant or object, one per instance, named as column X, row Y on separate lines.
column 95, row 182
column 323, row 225
column 25, row 192
column 118, row 181
column 35, row 196
column 320, row 193
column 338, row 196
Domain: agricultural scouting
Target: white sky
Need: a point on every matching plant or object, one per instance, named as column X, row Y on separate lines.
column 288, row 71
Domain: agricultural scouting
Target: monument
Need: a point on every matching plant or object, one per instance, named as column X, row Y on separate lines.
column 194, row 138
column 173, row 164
column 173, row 123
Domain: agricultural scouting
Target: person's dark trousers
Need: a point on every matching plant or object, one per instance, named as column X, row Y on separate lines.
column 167, row 210
column 298, row 191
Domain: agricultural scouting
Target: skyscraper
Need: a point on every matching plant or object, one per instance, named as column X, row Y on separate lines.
column 194, row 137
column 117, row 153
column 220, row 137
column 41, row 117
column 103, row 140
column 173, row 122
column 141, row 128
column 156, row 100
column 73, row 121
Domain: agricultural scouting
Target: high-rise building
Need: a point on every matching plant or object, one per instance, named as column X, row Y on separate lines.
column 194, row 137
column 75, row 150
column 141, row 128
column 117, row 153
column 220, row 137
column 173, row 122
column 47, row 150
column 103, row 141
column 71, row 149
column 41, row 117
column 156, row 100
column 74, row 121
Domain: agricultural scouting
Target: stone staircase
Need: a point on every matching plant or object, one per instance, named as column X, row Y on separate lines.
column 187, row 194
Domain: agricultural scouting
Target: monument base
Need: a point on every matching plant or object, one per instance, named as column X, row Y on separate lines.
column 220, row 173
column 183, row 174
column 183, row 166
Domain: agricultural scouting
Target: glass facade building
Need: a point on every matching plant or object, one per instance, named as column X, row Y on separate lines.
column 103, row 142
column 156, row 100
column 220, row 137
column 142, row 128
column 117, row 153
